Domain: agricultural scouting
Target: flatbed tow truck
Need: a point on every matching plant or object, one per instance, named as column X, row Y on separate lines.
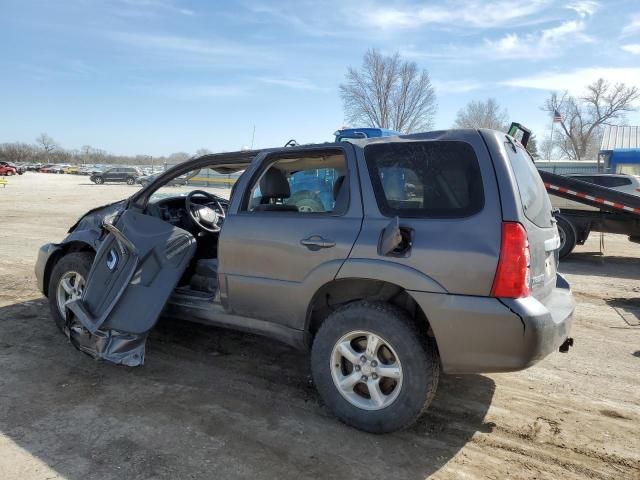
column 585, row 207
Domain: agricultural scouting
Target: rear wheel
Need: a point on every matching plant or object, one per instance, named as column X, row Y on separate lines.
column 567, row 237
column 373, row 368
column 98, row 180
column 67, row 283
column 131, row 181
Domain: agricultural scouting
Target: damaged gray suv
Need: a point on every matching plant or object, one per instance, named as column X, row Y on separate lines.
column 390, row 259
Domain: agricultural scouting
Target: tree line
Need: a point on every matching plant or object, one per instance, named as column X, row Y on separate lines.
column 45, row 149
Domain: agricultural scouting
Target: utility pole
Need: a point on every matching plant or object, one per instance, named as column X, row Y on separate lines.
column 253, row 136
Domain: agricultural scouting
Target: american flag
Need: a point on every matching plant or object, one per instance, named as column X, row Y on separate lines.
column 557, row 118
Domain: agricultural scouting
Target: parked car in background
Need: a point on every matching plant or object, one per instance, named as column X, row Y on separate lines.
column 128, row 175
column 437, row 251
column 59, row 169
column 45, row 168
column 19, row 169
column 90, row 170
column 180, row 180
column 7, row 170
column 71, row 169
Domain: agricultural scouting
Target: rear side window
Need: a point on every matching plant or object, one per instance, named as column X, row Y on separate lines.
column 437, row 179
column 533, row 194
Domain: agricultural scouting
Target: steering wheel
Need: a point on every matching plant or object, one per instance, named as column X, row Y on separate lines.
column 207, row 218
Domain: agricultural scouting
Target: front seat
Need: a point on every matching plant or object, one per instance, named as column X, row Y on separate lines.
column 274, row 187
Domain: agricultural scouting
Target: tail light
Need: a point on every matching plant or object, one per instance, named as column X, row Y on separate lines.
column 512, row 273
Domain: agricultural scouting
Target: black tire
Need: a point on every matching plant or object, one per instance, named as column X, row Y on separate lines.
column 418, row 358
column 131, row 181
column 567, row 237
column 98, row 180
column 79, row 262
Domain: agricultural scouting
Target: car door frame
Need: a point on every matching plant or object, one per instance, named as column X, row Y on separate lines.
column 355, row 211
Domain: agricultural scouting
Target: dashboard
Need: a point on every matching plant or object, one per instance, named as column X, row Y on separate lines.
column 173, row 211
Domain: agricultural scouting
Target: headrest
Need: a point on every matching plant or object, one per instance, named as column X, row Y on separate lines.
column 274, row 184
column 337, row 186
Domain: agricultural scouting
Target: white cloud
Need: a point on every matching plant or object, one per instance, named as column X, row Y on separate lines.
column 141, row 8
column 544, row 44
column 293, row 83
column 633, row 26
column 196, row 50
column 584, row 8
column 468, row 13
column 456, row 86
column 633, row 48
column 172, row 42
column 194, row 92
column 575, row 81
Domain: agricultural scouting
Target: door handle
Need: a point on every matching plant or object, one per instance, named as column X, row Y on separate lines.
column 316, row 242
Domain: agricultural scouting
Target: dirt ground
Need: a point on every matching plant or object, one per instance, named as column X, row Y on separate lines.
column 211, row 403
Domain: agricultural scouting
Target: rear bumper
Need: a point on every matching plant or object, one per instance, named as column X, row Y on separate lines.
column 483, row 334
column 44, row 254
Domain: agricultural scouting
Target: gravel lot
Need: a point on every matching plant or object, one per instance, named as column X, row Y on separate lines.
column 211, row 403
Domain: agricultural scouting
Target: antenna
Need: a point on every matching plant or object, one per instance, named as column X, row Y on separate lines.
column 253, row 136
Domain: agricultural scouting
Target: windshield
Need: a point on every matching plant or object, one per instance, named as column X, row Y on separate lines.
column 197, row 179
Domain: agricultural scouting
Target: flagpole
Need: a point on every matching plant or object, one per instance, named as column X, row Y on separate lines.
column 550, row 149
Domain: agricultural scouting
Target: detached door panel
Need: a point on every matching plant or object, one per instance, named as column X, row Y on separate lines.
column 135, row 270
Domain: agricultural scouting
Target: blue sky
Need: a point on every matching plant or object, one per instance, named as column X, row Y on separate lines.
column 161, row 76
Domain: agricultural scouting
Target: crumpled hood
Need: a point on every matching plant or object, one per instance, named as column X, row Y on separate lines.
column 94, row 218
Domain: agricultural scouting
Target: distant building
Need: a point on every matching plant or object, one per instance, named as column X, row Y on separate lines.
column 620, row 150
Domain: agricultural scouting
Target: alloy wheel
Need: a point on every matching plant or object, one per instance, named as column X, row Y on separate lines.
column 366, row 370
column 70, row 287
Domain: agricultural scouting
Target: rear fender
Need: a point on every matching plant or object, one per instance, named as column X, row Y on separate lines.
column 404, row 276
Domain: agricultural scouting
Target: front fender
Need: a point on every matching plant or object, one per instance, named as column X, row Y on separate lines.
column 44, row 263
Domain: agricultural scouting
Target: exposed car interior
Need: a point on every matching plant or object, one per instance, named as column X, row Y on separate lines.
column 296, row 185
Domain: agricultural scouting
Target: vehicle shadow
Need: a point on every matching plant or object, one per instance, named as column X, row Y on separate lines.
column 593, row 263
column 208, row 403
column 627, row 308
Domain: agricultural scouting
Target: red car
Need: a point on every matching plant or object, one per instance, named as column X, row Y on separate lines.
column 7, row 170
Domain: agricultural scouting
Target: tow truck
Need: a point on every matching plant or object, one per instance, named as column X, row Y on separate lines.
column 585, row 207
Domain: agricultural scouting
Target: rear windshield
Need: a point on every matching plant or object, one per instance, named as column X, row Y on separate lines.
column 436, row 179
column 533, row 195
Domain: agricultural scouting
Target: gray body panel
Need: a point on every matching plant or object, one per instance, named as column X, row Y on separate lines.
column 483, row 334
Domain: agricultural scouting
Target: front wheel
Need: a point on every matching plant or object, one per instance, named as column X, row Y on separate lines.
column 131, row 181
column 67, row 283
column 373, row 368
column 98, row 180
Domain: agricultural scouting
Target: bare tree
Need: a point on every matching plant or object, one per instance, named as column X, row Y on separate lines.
column 584, row 117
column 388, row 92
column 46, row 143
column 482, row 114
